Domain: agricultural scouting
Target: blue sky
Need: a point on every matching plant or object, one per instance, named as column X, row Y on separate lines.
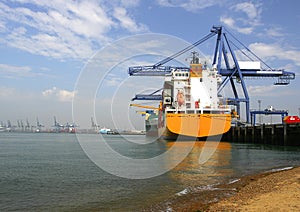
column 45, row 45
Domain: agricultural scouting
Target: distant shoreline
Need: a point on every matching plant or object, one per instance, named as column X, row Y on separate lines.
column 80, row 132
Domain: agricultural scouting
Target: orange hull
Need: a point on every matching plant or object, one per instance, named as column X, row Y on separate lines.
column 197, row 125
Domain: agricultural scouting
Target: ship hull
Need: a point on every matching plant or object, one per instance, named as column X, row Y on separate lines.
column 194, row 125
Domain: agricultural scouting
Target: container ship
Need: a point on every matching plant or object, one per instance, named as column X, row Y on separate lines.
column 190, row 106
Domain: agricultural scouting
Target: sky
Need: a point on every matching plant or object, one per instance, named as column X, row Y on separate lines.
column 48, row 47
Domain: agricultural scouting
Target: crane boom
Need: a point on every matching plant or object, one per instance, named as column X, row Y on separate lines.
column 153, row 70
column 144, row 106
column 213, row 32
column 159, row 70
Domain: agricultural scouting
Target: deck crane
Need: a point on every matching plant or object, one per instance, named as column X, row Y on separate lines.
column 224, row 53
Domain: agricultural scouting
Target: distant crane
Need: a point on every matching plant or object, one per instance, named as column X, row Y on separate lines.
column 234, row 71
column 27, row 126
column 94, row 126
column 22, row 125
column 38, row 125
column 70, row 128
column 9, row 126
column 57, row 127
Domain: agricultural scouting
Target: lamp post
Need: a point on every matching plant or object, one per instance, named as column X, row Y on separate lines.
column 259, row 104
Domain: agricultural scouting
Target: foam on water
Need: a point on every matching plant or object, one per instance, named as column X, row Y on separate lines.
column 280, row 169
column 183, row 192
column 234, row 181
column 197, row 189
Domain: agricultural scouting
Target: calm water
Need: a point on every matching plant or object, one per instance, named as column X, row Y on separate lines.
column 51, row 172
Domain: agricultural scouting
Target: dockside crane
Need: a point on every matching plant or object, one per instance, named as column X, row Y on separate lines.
column 57, row 127
column 27, row 126
column 39, row 126
column 95, row 127
column 234, row 71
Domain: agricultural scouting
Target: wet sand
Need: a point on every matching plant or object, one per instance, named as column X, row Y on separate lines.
column 278, row 191
column 270, row 191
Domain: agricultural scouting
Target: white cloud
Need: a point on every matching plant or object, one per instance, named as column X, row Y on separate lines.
column 274, row 32
column 126, row 22
column 243, row 17
column 112, row 80
column 274, row 51
column 64, row 29
column 130, row 3
column 13, row 94
column 189, row 5
column 248, row 8
column 270, row 91
column 261, row 90
column 231, row 23
column 60, row 94
column 11, row 71
column 2, row 26
column 6, row 92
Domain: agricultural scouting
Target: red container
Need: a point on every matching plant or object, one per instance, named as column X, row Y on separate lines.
column 291, row 119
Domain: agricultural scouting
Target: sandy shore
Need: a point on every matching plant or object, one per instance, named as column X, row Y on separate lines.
column 271, row 191
column 278, row 191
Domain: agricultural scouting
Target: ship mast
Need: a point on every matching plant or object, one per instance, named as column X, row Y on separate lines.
column 195, row 57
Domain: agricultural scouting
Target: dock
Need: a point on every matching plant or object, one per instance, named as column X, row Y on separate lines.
column 273, row 134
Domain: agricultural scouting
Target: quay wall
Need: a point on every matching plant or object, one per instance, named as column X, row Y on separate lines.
column 275, row 134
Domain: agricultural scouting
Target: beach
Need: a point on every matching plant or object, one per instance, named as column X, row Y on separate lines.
column 277, row 191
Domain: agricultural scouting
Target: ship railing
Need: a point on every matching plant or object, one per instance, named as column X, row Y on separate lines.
column 200, row 110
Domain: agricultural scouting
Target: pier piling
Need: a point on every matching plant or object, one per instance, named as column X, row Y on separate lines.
column 275, row 134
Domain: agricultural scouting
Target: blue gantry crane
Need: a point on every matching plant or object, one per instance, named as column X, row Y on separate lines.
column 233, row 73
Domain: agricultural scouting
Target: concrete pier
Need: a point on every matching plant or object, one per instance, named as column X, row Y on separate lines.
column 275, row 134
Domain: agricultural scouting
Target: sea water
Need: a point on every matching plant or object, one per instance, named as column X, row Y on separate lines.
column 40, row 171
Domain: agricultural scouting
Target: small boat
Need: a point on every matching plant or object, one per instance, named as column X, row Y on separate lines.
column 105, row 131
